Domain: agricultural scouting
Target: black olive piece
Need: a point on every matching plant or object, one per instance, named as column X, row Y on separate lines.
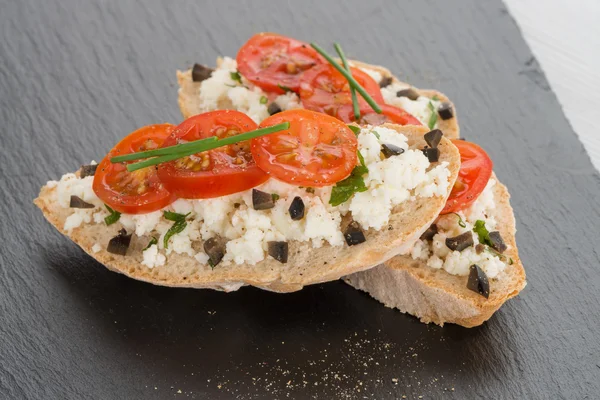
column 354, row 234
column 385, row 81
column 215, row 250
column 430, row 232
column 389, row 150
column 296, row 209
column 433, row 138
column 77, row 202
column 433, row 155
column 478, row 281
column 87, row 170
column 120, row 243
column 273, row 109
column 496, row 242
column 445, row 111
column 460, row 242
column 262, row 200
column 278, row 250
column 201, row 72
column 410, row 93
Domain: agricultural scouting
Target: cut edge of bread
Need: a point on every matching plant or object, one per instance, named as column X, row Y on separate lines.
column 306, row 265
column 188, row 97
column 433, row 295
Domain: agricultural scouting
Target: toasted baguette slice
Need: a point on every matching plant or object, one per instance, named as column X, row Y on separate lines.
column 306, row 265
column 189, row 105
column 436, row 296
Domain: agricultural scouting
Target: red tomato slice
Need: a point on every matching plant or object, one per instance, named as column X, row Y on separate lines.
column 324, row 89
column 219, row 172
column 474, row 174
column 276, row 62
column 395, row 115
column 317, row 150
column 139, row 191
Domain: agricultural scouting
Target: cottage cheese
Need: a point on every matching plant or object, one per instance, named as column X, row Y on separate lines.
column 221, row 92
column 437, row 255
column 389, row 181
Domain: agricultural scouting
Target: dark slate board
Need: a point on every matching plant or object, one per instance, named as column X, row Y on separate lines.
column 76, row 77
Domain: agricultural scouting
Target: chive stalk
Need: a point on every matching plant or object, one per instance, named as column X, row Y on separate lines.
column 187, row 149
column 349, row 77
column 355, row 108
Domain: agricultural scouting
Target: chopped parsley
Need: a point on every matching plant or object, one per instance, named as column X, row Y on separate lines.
column 177, row 227
column 152, row 242
column 482, row 232
column 284, row 88
column 374, row 132
column 236, row 77
column 433, row 118
column 275, row 196
column 343, row 190
column 113, row 217
column 354, row 129
column 263, row 99
column 461, row 223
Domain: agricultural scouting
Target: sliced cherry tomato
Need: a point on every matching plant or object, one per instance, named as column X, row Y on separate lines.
column 317, row 150
column 139, row 191
column 219, row 172
column 395, row 115
column 275, row 62
column 324, row 89
column 474, row 174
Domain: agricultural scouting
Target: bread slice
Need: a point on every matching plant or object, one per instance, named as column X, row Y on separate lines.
column 189, row 96
column 306, row 265
column 436, row 296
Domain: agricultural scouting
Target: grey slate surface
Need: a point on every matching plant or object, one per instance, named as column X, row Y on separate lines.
column 76, row 76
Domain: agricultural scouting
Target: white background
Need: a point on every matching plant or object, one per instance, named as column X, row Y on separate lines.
column 564, row 37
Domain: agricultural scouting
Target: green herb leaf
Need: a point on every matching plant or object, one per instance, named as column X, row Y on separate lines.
column 501, row 256
column 433, row 118
column 343, row 190
column 263, row 99
column 176, row 228
column 482, row 232
column 435, row 97
column 210, row 263
column 374, row 132
column 284, row 88
column 235, row 76
column 354, row 129
column 461, row 223
column 152, row 242
column 275, row 196
column 113, row 217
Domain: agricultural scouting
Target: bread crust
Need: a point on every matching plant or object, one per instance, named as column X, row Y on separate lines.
column 436, row 296
column 188, row 97
column 306, row 265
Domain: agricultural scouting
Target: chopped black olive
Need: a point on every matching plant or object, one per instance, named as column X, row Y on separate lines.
column 433, row 155
column 410, row 93
column 273, row 108
column 201, row 72
column 87, row 170
column 445, row 111
column 389, row 150
column 354, row 234
column 120, row 243
column 496, row 242
column 479, row 248
column 460, row 242
column 77, row 202
column 478, row 281
column 430, row 232
column 385, row 81
column 296, row 209
column 279, row 251
column 215, row 250
column 433, row 138
column 262, row 200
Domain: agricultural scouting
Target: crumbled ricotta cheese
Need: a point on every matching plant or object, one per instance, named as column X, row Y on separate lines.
column 419, row 108
column 152, row 258
column 96, row 247
column 437, row 255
